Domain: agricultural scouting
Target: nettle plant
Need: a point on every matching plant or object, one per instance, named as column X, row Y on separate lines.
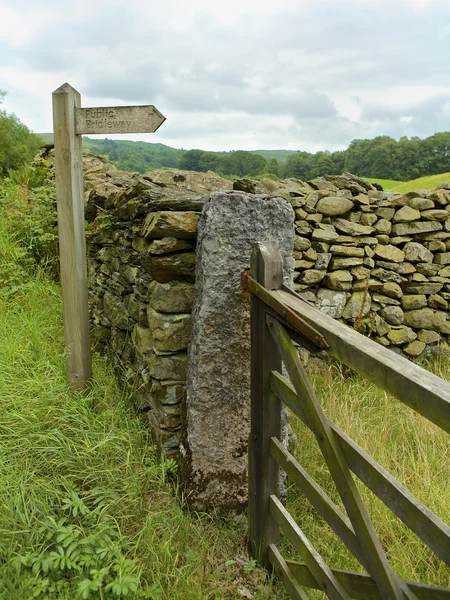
column 83, row 557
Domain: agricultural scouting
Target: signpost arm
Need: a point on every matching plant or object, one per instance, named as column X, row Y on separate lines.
column 72, row 241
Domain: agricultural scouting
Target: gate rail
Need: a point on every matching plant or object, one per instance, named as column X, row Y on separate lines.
column 279, row 317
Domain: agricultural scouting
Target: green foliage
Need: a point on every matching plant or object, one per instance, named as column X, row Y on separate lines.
column 134, row 156
column 82, row 552
column 238, row 163
column 28, row 211
column 381, row 158
column 87, row 510
column 199, row 160
column 272, row 167
column 17, row 144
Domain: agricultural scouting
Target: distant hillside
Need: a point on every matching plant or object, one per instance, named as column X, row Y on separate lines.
column 280, row 155
column 382, row 157
column 130, row 156
column 47, row 138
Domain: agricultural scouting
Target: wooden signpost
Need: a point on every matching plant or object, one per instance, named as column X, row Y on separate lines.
column 70, row 121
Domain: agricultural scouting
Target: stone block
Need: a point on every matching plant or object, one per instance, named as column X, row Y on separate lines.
column 416, row 252
column 115, row 312
column 392, row 289
column 169, row 244
column 358, row 306
column 428, row 318
column 428, row 336
column 406, row 214
column 334, row 205
column 180, row 266
column 347, row 251
column 174, row 224
column 218, row 382
column 172, row 366
column 401, row 335
column 413, row 301
column 425, row 287
column 389, row 253
column 392, row 315
column 414, row 348
column 435, row 214
column 170, row 332
column 331, row 302
column 416, row 227
column 353, row 229
column 345, row 262
column 338, row 280
column 311, row 277
column 171, row 297
column 442, row 258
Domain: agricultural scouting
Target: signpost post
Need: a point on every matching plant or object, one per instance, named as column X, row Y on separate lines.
column 70, row 121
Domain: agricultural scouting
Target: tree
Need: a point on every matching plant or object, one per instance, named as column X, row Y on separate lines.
column 17, row 144
column 242, row 164
column 272, row 167
column 436, row 151
column 299, row 165
column 190, row 160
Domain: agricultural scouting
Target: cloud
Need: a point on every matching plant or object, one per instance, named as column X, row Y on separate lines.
column 237, row 74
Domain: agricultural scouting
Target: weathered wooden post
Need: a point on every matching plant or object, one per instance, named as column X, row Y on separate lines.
column 264, row 477
column 72, row 242
column 70, row 121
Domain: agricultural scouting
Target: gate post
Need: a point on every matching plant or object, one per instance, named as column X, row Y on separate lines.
column 264, row 474
column 72, row 241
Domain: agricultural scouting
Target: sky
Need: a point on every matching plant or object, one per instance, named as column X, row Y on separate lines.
column 237, row 74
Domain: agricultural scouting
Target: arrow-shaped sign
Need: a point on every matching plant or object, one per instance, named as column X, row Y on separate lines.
column 118, row 119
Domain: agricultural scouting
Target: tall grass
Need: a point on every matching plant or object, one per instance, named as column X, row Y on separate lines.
column 411, row 448
column 87, row 509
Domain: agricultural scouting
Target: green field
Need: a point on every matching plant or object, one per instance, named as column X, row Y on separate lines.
column 388, row 184
column 423, row 183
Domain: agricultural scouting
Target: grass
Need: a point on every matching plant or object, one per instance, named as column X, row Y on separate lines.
column 388, row 184
column 411, row 448
column 423, row 183
column 87, row 509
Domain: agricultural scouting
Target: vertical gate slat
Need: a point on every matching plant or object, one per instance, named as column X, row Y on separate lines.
column 267, row 268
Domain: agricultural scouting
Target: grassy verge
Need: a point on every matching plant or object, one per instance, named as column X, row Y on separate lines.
column 86, row 507
column 412, row 449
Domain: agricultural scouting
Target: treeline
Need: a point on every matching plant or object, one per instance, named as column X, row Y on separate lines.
column 17, row 144
column 135, row 156
column 382, row 158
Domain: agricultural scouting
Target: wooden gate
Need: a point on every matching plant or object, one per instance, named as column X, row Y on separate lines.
column 279, row 317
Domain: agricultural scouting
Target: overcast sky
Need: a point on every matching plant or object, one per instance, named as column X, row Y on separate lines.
column 237, row 74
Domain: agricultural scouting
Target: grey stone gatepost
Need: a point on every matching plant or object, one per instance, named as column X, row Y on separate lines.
column 218, row 373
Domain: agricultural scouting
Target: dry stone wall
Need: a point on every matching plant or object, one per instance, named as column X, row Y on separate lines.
column 141, row 262
column 378, row 261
